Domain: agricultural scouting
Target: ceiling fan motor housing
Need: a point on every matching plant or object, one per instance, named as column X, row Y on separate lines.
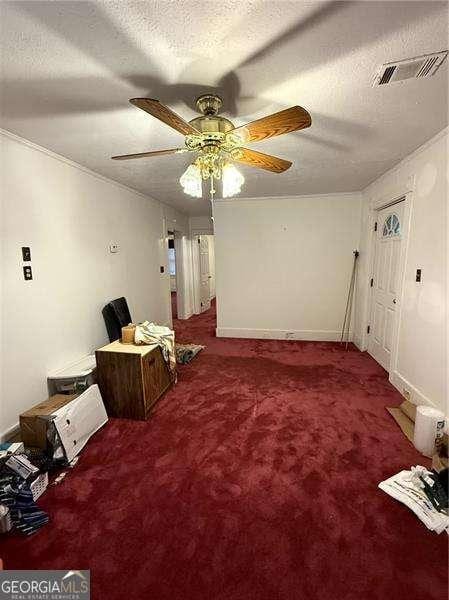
column 209, row 104
column 212, row 127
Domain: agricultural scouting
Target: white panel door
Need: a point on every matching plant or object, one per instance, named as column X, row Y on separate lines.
column 204, row 273
column 386, row 283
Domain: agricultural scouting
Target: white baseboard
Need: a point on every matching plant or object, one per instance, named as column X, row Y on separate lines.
column 279, row 334
column 416, row 397
column 186, row 316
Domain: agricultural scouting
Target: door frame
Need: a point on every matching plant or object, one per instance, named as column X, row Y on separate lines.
column 182, row 274
column 377, row 206
column 196, row 271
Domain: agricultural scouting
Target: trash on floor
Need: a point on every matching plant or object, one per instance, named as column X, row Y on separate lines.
column 21, row 484
column 5, row 519
column 78, row 420
column 18, row 501
column 440, row 460
column 36, row 421
column 429, row 425
column 63, row 424
column 185, row 353
column 424, row 492
column 9, row 448
column 405, row 416
column 53, row 434
column 21, row 465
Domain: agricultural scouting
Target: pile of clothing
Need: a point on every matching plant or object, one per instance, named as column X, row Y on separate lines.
column 424, row 492
column 150, row 333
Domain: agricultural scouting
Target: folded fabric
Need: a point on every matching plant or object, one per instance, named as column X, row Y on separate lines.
column 185, row 353
column 149, row 333
column 407, row 487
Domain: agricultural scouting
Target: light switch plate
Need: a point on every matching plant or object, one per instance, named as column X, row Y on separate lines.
column 26, row 253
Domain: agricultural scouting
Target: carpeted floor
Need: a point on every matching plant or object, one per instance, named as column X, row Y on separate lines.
column 174, row 305
column 255, row 479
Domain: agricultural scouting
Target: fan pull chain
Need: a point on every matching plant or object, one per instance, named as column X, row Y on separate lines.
column 212, row 189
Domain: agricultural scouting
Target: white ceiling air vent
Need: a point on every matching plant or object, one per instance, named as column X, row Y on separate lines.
column 411, row 68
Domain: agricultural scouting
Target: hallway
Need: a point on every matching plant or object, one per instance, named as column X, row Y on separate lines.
column 255, row 479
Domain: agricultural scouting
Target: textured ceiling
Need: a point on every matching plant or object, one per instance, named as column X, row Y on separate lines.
column 69, row 68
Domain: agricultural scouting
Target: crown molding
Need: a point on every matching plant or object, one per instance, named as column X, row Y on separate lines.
column 404, row 161
column 289, row 197
column 358, row 193
column 25, row 142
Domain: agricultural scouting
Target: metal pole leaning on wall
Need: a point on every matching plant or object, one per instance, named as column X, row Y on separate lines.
column 348, row 311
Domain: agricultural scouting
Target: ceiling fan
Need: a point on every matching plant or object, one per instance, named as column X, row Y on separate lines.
column 218, row 144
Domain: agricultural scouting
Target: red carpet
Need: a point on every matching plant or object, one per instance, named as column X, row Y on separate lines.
column 255, row 479
column 174, row 305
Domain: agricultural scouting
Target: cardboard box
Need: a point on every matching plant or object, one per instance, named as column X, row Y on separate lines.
column 34, row 422
column 78, row 420
column 73, row 419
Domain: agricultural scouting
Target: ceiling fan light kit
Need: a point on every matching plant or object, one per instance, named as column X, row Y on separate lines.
column 218, row 144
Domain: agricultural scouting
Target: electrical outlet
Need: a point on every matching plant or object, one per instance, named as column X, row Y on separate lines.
column 406, row 393
column 26, row 254
column 27, row 273
column 289, row 335
column 114, row 248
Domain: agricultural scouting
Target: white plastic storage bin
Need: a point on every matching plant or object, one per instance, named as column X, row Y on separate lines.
column 73, row 379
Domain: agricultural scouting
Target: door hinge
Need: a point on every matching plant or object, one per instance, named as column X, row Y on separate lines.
column 368, row 329
column 375, row 226
column 371, row 283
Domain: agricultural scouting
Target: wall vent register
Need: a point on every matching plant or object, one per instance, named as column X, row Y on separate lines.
column 411, row 68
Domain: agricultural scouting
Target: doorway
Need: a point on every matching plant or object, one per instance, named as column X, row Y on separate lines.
column 386, row 282
column 172, row 274
column 204, row 270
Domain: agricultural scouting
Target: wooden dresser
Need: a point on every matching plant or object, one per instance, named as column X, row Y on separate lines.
column 131, row 378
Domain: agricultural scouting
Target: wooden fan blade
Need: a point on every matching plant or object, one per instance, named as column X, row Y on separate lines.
column 285, row 121
column 165, row 114
column 263, row 161
column 147, row 154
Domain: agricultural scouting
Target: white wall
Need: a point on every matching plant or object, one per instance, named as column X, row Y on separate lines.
column 283, row 265
column 69, row 216
column 201, row 225
column 421, row 362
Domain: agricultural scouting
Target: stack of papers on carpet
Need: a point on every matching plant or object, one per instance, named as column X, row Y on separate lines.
column 409, row 487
